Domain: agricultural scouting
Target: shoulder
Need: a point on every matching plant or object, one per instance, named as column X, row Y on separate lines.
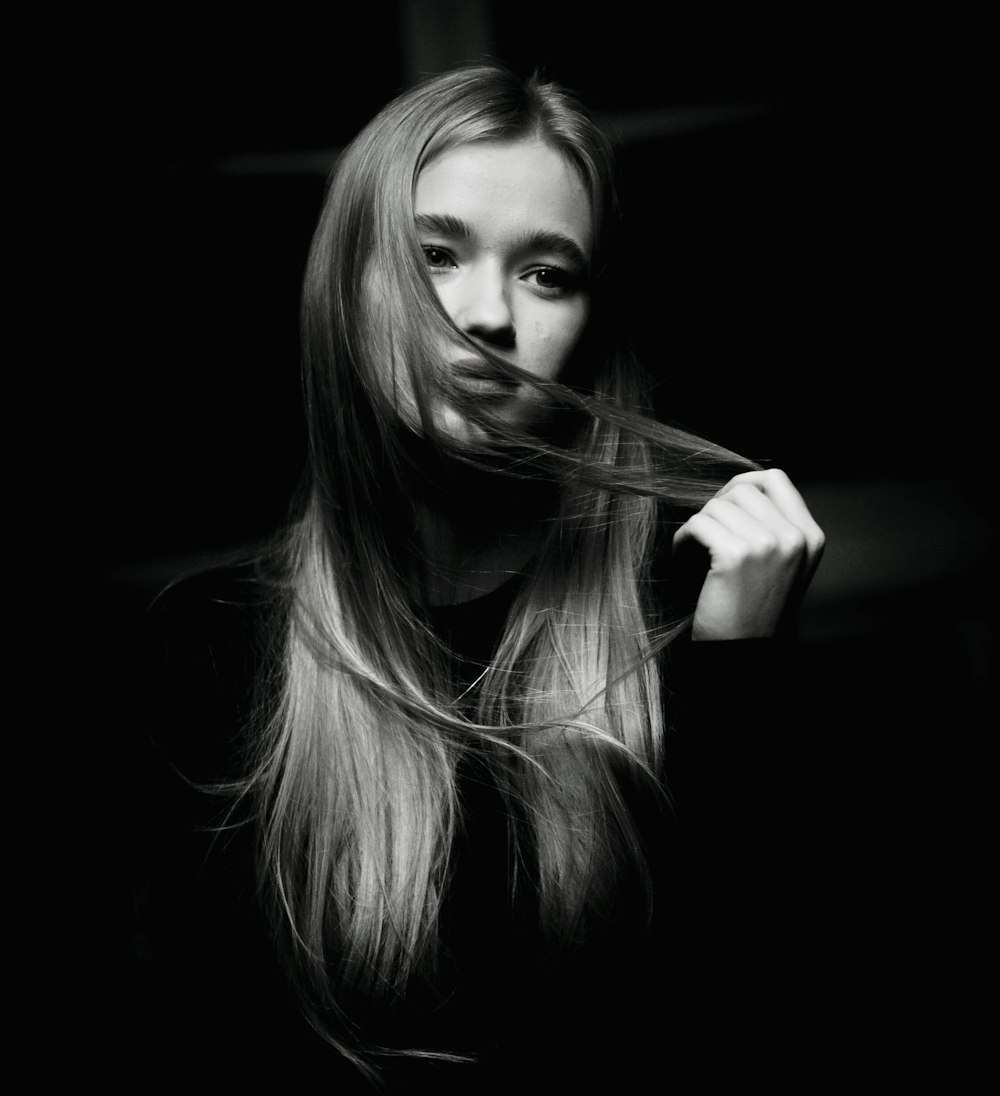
column 701, row 666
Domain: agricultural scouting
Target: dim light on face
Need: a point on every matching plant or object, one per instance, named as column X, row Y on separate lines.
column 506, row 230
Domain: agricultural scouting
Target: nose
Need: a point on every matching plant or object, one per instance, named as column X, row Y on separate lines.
column 484, row 310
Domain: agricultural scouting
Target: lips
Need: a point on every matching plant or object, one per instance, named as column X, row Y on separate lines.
column 477, row 376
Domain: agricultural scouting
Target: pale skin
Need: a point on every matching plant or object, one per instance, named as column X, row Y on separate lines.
column 763, row 547
column 506, row 229
column 507, row 234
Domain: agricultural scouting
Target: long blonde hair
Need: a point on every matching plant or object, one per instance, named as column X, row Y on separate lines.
column 355, row 773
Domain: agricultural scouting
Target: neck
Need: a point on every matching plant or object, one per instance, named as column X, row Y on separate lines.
column 477, row 528
column 462, row 564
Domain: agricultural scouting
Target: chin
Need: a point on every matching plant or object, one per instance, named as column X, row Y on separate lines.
column 509, row 414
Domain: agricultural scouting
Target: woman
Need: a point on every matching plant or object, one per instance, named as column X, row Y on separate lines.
column 452, row 689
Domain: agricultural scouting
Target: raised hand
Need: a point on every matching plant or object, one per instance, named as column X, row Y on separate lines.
column 763, row 547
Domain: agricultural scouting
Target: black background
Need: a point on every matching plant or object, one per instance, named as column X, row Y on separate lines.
column 806, row 289
column 791, row 281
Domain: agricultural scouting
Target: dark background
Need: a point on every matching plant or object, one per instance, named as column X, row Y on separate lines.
column 798, row 193
column 786, row 194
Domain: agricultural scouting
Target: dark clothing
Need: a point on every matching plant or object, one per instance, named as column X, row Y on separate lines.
column 717, row 985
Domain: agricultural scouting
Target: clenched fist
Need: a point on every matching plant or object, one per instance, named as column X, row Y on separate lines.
column 763, row 547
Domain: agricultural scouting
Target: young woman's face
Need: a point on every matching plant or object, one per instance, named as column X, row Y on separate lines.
column 506, row 231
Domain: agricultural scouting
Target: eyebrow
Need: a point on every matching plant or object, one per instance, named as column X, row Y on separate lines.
column 444, row 224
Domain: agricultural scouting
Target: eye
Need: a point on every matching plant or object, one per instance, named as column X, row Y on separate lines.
column 553, row 281
column 438, row 258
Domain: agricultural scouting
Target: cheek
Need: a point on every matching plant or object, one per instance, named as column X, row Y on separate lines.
column 447, row 294
column 557, row 339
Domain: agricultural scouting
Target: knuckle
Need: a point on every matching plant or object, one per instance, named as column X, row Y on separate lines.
column 732, row 559
column 744, row 553
column 793, row 541
column 814, row 537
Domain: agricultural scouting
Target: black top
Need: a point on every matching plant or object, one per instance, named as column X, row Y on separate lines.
column 718, row 984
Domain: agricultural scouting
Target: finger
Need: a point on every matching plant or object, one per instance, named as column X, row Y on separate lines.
column 704, row 529
column 759, row 526
column 697, row 544
column 752, row 519
column 775, row 485
column 759, row 508
column 765, row 536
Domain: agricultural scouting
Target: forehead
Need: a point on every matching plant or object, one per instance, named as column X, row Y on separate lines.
column 507, row 189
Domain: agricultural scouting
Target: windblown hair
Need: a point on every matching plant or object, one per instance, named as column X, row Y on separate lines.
column 356, row 772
